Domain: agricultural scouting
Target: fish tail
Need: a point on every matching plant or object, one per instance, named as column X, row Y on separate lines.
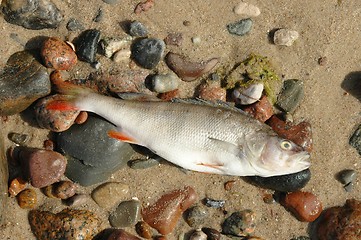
column 71, row 96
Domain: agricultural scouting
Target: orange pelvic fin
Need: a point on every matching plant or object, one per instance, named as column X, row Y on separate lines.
column 121, row 136
column 216, row 166
column 61, row 105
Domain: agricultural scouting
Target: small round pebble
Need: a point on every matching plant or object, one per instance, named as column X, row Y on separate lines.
column 64, row 189
column 137, row 29
column 109, row 194
column 241, row 27
column 196, row 40
column 212, row 234
column 322, row 61
column 240, row 223
column 175, row 39
column 126, row 214
column 81, row 118
column 285, row 37
column 229, row 185
column 198, row 235
column 122, row 55
column 196, row 216
column 144, row 230
column 27, row 199
column 74, row 25
column 211, row 91
column 246, row 9
column 162, row 83
column 48, row 144
column 261, row 110
column 147, row 52
column 347, row 176
column 57, row 54
column 304, row 205
column 77, row 199
column 248, row 95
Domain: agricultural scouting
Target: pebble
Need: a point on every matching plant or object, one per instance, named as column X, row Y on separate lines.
column 143, row 163
column 262, row 110
column 348, row 187
column 246, row 9
column 112, row 45
column 189, row 71
column 81, row 118
column 27, row 199
column 75, row 25
column 120, row 234
column 87, row 45
column 76, row 200
column 54, row 120
column 291, row 95
column 305, row 206
column 109, row 194
column 300, row 134
column 284, row 183
column 229, row 185
column 248, row 95
column 241, row 27
column 338, row 223
column 67, row 224
column 144, row 230
column 48, row 144
column 43, row 167
column 355, row 139
column 241, row 223
column 347, row 176
column 285, row 37
column 23, row 81
column 147, row 52
column 92, row 155
column 32, row 14
column 198, row 235
column 64, row 189
column 143, row 6
column 16, row 186
column 122, row 55
column 127, row 214
column 57, row 54
column 212, row 234
column 18, row 138
column 162, row 83
column 322, row 61
column 164, row 214
column 137, row 29
column 211, row 91
column 214, row 203
column 175, row 39
column 168, row 96
column 196, row 40
column 195, row 216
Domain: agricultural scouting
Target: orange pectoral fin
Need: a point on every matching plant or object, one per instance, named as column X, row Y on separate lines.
column 61, row 105
column 121, row 136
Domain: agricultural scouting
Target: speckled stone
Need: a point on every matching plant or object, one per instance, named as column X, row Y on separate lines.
column 127, row 214
column 64, row 189
column 147, row 52
column 32, row 14
column 137, row 29
column 67, row 224
column 162, row 83
column 23, row 81
column 109, row 194
column 196, row 216
column 261, row 110
column 42, row 167
column 240, row 223
column 198, row 235
column 57, row 54
column 164, row 214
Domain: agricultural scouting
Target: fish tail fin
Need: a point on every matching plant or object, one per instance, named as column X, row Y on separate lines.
column 70, row 98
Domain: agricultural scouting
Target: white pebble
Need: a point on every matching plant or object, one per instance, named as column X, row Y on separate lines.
column 196, row 40
column 112, row 45
column 248, row 95
column 285, row 37
column 121, row 55
column 162, row 83
column 246, row 9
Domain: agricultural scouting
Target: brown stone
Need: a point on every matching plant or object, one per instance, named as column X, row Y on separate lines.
column 340, row 223
column 81, row 118
column 261, row 110
column 57, row 54
column 64, row 189
column 301, row 134
column 16, row 186
column 164, row 214
column 304, row 205
column 211, row 91
column 174, row 39
column 169, row 95
column 144, row 230
column 27, row 199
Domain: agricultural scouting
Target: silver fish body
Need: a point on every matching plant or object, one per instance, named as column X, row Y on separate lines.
column 201, row 138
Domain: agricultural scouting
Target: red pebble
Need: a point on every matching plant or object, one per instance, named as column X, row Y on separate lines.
column 211, row 92
column 261, row 110
column 164, row 214
column 57, row 54
column 143, row 6
column 48, row 144
column 167, row 96
column 81, row 118
column 301, row 134
column 304, row 205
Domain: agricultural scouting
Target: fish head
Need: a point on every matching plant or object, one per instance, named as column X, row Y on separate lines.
column 280, row 156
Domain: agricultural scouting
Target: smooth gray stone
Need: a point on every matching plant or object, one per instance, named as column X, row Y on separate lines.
column 147, row 52
column 137, row 29
column 127, row 214
column 32, row 14
column 22, row 82
column 291, row 95
column 92, row 155
column 241, row 27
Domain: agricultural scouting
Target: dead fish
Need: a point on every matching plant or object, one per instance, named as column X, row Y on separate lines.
column 198, row 137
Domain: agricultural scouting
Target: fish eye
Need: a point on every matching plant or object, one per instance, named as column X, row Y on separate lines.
column 286, row 145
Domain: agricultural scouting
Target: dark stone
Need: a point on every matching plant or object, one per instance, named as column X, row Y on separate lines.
column 127, row 214
column 4, row 175
column 291, row 95
column 241, row 27
column 355, row 140
column 32, row 14
column 87, row 45
column 23, row 81
column 137, row 29
column 74, row 25
column 284, row 183
column 240, row 223
column 92, row 155
column 147, row 52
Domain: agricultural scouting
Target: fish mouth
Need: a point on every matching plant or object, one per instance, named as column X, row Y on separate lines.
column 303, row 159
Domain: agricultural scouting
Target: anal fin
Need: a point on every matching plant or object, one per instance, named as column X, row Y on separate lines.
column 121, row 136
